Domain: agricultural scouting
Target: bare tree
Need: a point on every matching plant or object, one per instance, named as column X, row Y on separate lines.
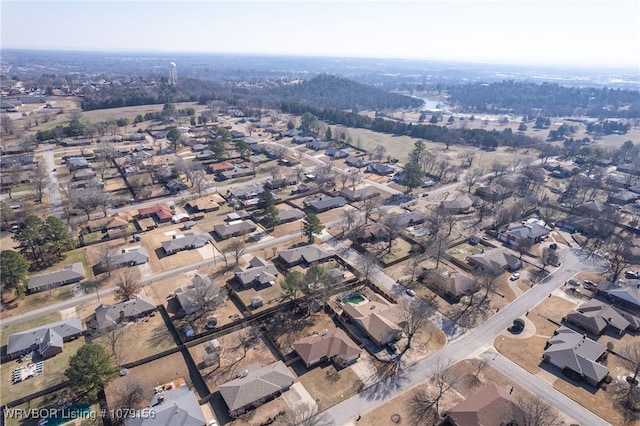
column 237, row 248
column 248, row 338
column 547, row 257
column 113, row 338
column 366, row 266
column 204, row 295
column 306, row 414
column 379, row 152
column 199, row 183
column 12, row 177
column 107, row 254
column 425, row 404
column 618, row 256
column 368, row 207
column 471, row 177
column 467, row 157
column 479, row 365
column 349, row 219
column 128, row 283
column 524, row 245
column 413, row 319
column 130, row 393
column 40, row 180
column 139, row 184
column 630, row 357
column 536, row 412
column 7, row 124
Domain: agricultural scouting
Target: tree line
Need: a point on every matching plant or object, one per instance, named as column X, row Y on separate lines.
column 552, row 99
column 475, row 137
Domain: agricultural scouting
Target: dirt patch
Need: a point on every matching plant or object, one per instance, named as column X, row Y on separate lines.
column 527, row 353
column 238, row 350
column 155, row 373
column 330, row 386
column 286, row 329
column 137, row 340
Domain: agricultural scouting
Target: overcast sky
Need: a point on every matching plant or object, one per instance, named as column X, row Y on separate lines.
column 560, row 32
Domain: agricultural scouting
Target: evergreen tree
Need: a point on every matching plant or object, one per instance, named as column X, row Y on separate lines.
column 271, row 216
column 14, row 269
column 89, row 371
column 311, row 227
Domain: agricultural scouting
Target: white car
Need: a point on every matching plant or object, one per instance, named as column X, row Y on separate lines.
column 515, row 276
column 411, row 292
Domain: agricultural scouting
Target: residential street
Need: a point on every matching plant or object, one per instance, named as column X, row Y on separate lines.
column 473, row 341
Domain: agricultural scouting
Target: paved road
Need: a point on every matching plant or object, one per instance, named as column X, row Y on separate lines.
column 469, row 343
column 563, row 403
column 55, row 201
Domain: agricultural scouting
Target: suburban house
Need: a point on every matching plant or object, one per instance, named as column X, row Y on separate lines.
column 299, row 139
column 206, row 204
column 372, row 232
column 187, row 241
column 381, row 169
column 359, row 194
column 255, row 386
column 84, row 174
column 259, row 272
column 77, row 163
column 327, row 203
column 108, row 317
column 217, row 168
column 408, row 218
column 358, row 162
column 584, row 225
column 459, row 205
column 336, row 152
column 69, row 274
column 494, row 260
column 377, row 317
column 289, row 215
column 577, row 353
column 309, row 255
column 247, row 193
column 318, row 145
column 47, row 340
column 236, row 173
column 160, row 212
column 596, row 317
column 492, row 405
column 625, row 294
column 493, row 192
column 623, row 197
column 175, row 406
column 279, row 183
column 188, row 296
column 335, row 346
column 119, row 220
column 533, row 232
column 129, row 257
column 594, row 208
column 450, row 284
column 235, row 228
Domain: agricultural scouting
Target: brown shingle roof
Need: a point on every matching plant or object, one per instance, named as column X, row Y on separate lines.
column 490, row 406
column 334, row 343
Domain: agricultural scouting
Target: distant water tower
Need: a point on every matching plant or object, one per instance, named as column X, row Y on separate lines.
column 173, row 74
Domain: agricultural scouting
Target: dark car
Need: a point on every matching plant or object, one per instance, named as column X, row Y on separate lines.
column 392, row 348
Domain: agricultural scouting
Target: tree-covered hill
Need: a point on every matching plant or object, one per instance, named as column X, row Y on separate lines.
column 330, row 91
column 549, row 99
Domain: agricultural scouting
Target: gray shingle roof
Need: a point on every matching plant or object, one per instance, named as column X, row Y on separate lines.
column 69, row 273
column 328, row 203
column 18, row 342
column 110, row 315
column 136, row 255
column 187, row 241
column 577, row 352
column 180, row 407
column 259, row 269
column 258, row 384
column 311, row 253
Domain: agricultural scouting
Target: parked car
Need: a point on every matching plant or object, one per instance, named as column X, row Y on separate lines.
column 573, row 282
column 392, row 347
column 632, row 275
column 411, row 292
column 588, row 285
column 515, row 276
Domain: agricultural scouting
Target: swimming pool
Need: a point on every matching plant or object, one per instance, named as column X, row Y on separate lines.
column 353, row 298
